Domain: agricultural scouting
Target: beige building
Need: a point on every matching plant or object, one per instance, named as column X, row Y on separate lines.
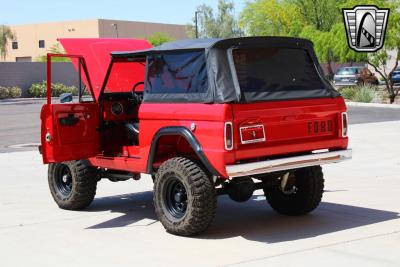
column 34, row 40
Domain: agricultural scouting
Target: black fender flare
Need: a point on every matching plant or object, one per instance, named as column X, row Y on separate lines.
column 190, row 138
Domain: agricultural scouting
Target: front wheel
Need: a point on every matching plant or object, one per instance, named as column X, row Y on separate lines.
column 72, row 184
column 184, row 197
column 296, row 193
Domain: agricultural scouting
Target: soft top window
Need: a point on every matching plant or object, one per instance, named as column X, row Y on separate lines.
column 276, row 73
column 177, row 73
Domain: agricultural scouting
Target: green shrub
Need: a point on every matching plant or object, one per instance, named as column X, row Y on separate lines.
column 10, row 92
column 348, row 92
column 40, row 89
column 360, row 93
column 364, row 94
column 4, row 92
column 58, row 88
column 15, row 92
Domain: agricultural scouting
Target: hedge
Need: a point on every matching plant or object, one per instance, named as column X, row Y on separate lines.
column 40, row 89
column 10, row 92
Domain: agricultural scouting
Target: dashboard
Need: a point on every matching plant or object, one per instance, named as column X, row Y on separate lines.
column 121, row 106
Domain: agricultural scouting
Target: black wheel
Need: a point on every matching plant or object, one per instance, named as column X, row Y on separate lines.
column 184, row 197
column 72, row 184
column 298, row 193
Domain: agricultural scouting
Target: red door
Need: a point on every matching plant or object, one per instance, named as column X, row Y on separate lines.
column 69, row 131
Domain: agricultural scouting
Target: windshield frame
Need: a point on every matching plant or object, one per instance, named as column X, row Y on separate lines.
column 110, row 69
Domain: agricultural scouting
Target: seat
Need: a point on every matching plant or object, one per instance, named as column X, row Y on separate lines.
column 132, row 132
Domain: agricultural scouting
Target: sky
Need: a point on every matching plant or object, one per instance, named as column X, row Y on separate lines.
column 168, row 11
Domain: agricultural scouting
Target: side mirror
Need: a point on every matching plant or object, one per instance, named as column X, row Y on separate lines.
column 65, row 97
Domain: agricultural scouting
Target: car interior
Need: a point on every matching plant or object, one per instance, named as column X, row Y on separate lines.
column 120, row 101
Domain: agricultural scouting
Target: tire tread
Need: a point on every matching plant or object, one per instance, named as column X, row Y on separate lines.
column 202, row 212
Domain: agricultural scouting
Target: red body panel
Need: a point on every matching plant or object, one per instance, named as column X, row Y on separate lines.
column 287, row 126
column 209, row 120
column 96, row 52
column 69, row 142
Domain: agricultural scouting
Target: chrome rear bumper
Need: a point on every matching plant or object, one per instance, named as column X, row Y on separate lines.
column 289, row 163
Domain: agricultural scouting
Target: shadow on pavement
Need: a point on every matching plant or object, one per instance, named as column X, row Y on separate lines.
column 253, row 220
column 134, row 207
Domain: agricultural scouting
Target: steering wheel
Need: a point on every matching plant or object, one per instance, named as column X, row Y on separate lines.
column 137, row 98
column 136, row 85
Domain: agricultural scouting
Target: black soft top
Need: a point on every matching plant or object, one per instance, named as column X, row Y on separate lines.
column 219, row 75
column 188, row 44
column 205, row 44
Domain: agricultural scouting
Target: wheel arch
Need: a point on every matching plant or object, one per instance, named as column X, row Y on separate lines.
column 189, row 137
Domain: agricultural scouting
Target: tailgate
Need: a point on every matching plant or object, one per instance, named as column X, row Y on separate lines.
column 287, row 127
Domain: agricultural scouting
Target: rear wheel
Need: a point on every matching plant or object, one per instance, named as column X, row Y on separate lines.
column 184, row 197
column 72, row 184
column 297, row 193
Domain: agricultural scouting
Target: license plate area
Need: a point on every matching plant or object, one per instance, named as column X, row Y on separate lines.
column 252, row 134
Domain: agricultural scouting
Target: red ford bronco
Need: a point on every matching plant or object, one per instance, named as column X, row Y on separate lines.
column 203, row 117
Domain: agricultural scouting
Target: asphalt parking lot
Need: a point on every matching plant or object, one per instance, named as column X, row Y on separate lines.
column 358, row 222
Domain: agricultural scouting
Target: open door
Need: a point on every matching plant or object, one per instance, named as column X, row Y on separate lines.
column 69, row 130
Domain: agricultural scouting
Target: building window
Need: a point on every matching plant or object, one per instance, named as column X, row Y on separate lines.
column 41, row 43
column 23, row 59
column 14, row 45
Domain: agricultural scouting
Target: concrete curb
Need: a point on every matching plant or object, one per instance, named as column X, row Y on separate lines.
column 372, row 105
column 22, row 101
column 29, row 99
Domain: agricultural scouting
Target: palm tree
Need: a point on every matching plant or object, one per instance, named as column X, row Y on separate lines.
column 6, row 35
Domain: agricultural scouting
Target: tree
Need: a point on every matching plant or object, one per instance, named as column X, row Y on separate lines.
column 159, row 38
column 322, row 14
column 54, row 49
column 391, row 50
column 271, row 17
column 223, row 24
column 288, row 17
column 6, row 35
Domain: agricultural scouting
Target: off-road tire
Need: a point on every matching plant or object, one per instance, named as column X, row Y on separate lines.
column 310, row 186
column 83, row 180
column 200, row 192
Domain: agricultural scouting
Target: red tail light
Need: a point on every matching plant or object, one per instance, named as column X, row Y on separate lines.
column 228, row 135
column 344, row 124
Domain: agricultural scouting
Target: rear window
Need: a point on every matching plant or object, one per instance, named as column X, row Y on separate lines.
column 276, row 74
column 348, row 71
column 177, row 73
